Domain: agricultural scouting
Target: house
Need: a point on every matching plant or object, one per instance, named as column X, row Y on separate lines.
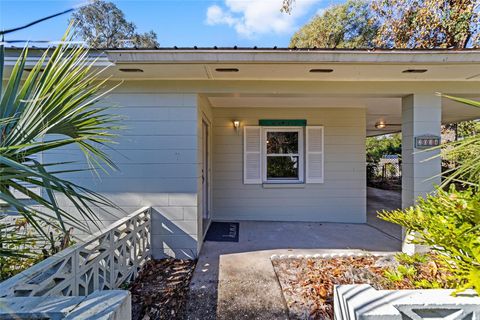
column 269, row 134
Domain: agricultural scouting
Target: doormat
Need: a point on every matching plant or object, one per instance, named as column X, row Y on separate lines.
column 223, row 232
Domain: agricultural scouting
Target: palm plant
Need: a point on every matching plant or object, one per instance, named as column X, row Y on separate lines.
column 467, row 153
column 52, row 106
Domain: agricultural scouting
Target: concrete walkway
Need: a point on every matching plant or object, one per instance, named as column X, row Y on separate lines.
column 237, row 280
column 378, row 200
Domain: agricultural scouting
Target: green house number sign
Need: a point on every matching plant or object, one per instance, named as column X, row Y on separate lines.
column 427, row 141
column 282, row 123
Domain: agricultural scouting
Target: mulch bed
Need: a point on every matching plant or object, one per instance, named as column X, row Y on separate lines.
column 160, row 290
column 307, row 283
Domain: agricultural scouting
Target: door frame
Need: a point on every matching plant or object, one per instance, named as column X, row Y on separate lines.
column 206, row 152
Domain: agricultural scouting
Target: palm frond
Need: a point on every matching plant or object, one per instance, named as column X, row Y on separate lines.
column 468, row 151
column 52, row 107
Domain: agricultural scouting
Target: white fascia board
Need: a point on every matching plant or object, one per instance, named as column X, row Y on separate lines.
column 31, row 61
column 283, row 56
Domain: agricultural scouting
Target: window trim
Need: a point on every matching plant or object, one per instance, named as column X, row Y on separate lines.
column 301, row 155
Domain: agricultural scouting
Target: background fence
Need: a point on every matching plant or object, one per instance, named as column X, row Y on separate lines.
column 385, row 174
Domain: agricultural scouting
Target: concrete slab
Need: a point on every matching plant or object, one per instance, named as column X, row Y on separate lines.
column 237, row 280
column 378, row 200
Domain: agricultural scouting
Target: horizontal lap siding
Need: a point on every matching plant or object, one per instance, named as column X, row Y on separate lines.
column 156, row 153
column 341, row 198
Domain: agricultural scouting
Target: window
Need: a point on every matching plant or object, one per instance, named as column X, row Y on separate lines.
column 280, row 155
column 283, row 155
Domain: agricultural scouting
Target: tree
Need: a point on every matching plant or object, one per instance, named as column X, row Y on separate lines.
column 145, row 40
column 377, row 147
column 397, row 24
column 428, row 23
column 103, row 25
column 52, row 106
column 348, row 25
column 468, row 128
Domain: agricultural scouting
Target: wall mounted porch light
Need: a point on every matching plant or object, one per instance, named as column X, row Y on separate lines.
column 236, row 125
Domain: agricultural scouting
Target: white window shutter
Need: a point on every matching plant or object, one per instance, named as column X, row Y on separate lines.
column 252, row 155
column 314, row 154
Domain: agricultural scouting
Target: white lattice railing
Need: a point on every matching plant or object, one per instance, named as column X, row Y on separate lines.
column 104, row 261
column 362, row 301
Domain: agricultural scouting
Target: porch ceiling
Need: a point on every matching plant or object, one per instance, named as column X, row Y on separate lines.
column 294, row 71
column 386, row 109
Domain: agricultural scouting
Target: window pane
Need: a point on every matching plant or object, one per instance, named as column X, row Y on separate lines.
column 282, row 167
column 282, row 142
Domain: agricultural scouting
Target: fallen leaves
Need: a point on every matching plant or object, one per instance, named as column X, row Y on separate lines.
column 307, row 283
column 160, row 290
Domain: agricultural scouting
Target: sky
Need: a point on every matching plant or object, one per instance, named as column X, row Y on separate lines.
column 177, row 23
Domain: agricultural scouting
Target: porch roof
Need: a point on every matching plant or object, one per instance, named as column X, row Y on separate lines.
column 285, row 64
column 293, row 55
column 373, row 79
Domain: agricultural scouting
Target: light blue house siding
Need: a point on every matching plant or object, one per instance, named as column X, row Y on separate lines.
column 159, row 159
column 340, row 198
column 158, row 166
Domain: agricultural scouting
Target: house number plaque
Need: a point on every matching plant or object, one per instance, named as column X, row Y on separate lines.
column 427, row 141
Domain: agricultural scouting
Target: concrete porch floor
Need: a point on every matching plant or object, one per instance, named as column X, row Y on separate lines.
column 237, row 280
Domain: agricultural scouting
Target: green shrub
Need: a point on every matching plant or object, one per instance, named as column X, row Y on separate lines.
column 449, row 223
column 394, row 276
column 21, row 246
column 413, row 259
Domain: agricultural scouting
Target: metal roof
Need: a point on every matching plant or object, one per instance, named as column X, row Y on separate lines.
column 259, row 48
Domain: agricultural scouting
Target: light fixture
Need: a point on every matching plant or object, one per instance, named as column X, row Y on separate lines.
column 130, row 70
column 380, row 125
column 414, row 71
column 383, row 125
column 226, row 70
column 236, row 125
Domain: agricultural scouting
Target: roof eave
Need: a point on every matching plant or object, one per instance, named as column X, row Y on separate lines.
column 293, row 56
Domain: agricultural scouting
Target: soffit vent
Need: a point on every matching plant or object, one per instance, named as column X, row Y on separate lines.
column 227, row 70
column 415, row 71
column 130, row 70
column 321, row 70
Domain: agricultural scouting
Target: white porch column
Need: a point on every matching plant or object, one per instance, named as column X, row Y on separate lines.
column 421, row 115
